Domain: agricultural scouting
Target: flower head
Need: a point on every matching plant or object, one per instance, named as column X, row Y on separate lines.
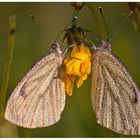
column 77, row 64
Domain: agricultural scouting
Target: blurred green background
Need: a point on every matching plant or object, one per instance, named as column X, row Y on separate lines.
column 33, row 42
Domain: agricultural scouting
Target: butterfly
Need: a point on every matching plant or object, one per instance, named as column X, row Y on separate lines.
column 39, row 99
column 115, row 96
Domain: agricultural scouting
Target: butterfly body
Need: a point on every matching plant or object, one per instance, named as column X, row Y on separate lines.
column 115, row 96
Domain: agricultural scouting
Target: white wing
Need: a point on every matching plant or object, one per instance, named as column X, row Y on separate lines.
column 115, row 96
column 39, row 98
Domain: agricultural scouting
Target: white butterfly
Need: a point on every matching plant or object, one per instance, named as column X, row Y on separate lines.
column 39, row 98
column 115, row 96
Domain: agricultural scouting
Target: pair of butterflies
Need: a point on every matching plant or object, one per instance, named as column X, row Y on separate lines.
column 39, row 99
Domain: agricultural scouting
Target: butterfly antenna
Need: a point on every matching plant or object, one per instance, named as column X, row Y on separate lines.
column 106, row 27
column 123, row 21
column 72, row 22
column 36, row 21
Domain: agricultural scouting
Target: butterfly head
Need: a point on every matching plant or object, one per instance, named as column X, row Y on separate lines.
column 105, row 44
column 56, row 48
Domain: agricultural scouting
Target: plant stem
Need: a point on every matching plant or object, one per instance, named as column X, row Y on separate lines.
column 8, row 62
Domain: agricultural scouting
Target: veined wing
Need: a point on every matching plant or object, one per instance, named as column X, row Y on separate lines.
column 115, row 96
column 39, row 98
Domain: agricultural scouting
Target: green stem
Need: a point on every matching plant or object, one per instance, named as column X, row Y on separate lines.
column 99, row 23
column 7, row 65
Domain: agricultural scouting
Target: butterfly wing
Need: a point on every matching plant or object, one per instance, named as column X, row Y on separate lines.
column 115, row 96
column 39, row 98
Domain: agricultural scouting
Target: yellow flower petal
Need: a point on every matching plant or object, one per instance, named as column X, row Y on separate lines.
column 69, row 84
column 81, row 80
column 77, row 64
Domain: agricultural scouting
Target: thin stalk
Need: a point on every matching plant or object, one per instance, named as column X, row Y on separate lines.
column 8, row 62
